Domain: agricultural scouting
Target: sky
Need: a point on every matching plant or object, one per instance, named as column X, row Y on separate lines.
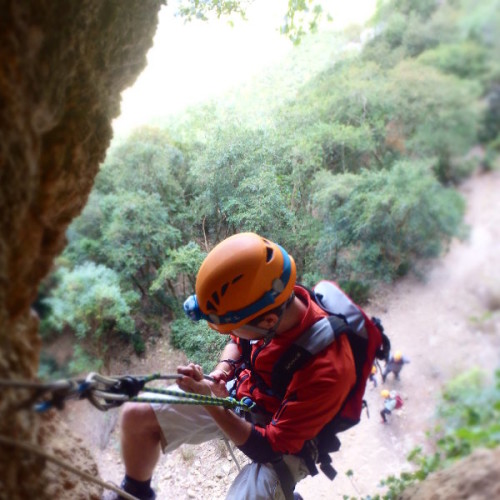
column 193, row 62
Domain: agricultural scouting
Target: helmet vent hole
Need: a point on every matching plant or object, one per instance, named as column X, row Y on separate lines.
column 237, row 279
column 269, row 254
column 224, row 289
column 210, row 306
column 215, row 297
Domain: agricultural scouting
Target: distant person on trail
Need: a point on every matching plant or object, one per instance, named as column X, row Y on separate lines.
column 373, row 376
column 395, row 365
column 392, row 401
column 246, row 289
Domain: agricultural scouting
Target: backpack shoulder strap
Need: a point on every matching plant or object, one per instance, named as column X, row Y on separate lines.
column 246, row 351
column 319, row 336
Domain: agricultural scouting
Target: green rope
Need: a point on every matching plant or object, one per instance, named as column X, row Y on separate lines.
column 193, row 399
column 176, row 397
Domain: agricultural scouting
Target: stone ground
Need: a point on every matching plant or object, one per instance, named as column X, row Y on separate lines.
column 445, row 323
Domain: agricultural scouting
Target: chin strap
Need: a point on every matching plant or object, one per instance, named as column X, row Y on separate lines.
column 269, row 334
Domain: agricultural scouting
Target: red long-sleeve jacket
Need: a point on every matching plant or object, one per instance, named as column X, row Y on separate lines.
column 313, row 397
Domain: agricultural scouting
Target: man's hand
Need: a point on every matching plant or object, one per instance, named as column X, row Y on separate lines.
column 192, row 381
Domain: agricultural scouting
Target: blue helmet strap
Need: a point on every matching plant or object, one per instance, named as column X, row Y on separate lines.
column 269, row 334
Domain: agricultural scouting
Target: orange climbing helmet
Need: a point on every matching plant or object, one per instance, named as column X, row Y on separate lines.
column 398, row 356
column 384, row 393
column 241, row 278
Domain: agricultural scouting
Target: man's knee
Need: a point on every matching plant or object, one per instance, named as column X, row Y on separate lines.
column 139, row 419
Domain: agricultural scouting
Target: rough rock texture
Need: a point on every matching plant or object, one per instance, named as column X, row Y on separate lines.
column 63, row 65
column 477, row 477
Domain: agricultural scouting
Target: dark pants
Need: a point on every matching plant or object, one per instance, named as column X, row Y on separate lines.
column 387, row 371
column 383, row 414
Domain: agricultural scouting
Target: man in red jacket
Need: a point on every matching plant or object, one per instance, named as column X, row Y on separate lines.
column 246, row 288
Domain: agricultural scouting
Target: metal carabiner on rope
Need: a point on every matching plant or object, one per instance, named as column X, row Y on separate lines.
column 106, row 392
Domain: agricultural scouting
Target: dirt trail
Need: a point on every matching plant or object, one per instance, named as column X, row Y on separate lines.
column 440, row 324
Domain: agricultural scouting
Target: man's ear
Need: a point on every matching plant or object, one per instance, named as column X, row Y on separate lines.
column 268, row 321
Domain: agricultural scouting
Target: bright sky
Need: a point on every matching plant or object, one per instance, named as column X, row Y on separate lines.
column 193, row 62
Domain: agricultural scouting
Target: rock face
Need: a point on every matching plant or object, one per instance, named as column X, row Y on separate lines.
column 476, row 477
column 63, row 65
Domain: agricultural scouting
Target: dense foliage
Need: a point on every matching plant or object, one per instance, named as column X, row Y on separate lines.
column 89, row 300
column 352, row 168
column 201, row 344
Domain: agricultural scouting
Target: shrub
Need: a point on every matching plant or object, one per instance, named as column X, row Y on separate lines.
column 89, row 301
column 201, row 344
column 357, row 290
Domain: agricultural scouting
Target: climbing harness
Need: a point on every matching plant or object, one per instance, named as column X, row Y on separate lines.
column 106, row 392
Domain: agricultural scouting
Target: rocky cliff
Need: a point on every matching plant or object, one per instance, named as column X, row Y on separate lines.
column 63, row 65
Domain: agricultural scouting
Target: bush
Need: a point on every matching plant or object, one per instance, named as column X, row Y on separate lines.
column 49, row 368
column 89, row 301
column 358, row 291
column 377, row 223
column 199, row 342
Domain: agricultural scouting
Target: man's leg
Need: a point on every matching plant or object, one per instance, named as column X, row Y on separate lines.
column 382, row 414
column 140, row 440
column 148, row 429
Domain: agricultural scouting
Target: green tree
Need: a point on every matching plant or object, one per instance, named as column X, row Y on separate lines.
column 467, row 59
column 85, row 234
column 90, row 302
column 178, row 272
column 198, row 341
column 151, row 162
column 237, row 187
column 300, row 18
column 436, row 114
column 136, row 236
column 378, row 223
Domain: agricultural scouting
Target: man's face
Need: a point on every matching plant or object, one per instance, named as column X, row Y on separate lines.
column 257, row 331
column 247, row 334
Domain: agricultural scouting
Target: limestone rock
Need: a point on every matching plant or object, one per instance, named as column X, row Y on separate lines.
column 63, row 65
column 476, row 477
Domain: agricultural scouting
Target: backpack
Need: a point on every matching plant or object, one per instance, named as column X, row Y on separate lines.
column 399, row 402
column 367, row 340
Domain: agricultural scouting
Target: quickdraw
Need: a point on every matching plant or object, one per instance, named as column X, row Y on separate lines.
column 106, row 392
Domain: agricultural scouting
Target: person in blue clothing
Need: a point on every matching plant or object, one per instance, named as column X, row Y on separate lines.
column 390, row 403
column 394, row 364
